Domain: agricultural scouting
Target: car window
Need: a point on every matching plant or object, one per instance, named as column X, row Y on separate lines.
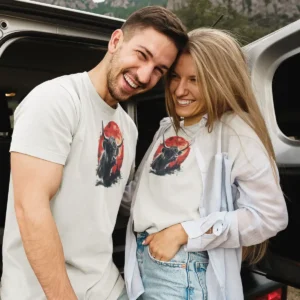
column 285, row 88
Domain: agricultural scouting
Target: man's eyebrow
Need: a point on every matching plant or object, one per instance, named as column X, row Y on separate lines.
column 147, row 50
column 164, row 67
column 151, row 55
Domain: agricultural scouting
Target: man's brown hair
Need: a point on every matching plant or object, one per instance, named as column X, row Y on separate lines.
column 160, row 19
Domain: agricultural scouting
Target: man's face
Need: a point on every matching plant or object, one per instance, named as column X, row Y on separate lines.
column 138, row 63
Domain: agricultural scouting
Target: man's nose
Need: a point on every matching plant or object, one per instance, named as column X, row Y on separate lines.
column 144, row 74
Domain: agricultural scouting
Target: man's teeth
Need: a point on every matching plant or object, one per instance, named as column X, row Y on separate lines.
column 184, row 102
column 129, row 81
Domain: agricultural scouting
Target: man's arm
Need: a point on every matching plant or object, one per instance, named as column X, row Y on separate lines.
column 35, row 182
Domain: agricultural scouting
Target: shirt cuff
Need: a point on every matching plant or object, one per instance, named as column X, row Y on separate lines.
column 196, row 231
column 38, row 152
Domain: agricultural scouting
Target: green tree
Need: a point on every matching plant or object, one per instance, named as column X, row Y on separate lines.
column 202, row 13
column 199, row 13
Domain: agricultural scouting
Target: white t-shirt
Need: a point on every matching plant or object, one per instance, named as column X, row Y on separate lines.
column 66, row 122
column 170, row 186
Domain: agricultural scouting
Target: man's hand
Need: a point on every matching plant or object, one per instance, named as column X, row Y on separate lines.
column 165, row 244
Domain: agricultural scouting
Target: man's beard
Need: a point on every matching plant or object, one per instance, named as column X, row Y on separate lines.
column 112, row 79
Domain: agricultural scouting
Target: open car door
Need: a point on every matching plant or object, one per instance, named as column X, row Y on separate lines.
column 39, row 42
column 274, row 62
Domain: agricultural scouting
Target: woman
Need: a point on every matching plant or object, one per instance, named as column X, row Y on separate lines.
column 208, row 185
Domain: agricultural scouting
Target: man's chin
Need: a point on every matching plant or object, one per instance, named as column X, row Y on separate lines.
column 123, row 97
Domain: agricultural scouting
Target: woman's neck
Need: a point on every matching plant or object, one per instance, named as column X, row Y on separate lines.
column 192, row 120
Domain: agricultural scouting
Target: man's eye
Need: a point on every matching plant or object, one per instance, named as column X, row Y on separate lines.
column 141, row 55
column 160, row 71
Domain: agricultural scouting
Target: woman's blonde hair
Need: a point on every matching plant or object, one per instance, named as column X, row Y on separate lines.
column 225, row 86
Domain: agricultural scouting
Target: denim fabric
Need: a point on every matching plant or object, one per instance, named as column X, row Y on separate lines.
column 181, row 278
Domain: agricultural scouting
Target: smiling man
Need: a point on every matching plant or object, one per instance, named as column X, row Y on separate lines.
column 72, row 150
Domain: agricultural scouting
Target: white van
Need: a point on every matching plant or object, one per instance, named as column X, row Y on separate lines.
column 39, row 42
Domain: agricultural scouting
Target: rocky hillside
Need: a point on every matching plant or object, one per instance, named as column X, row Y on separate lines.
column 121, row 8
column 74, row 4
column 289, row 8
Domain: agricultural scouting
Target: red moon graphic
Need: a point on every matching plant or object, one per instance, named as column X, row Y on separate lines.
column 169, row 155
column 110, row 154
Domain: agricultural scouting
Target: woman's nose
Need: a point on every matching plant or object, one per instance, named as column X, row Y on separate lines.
column 181, row 89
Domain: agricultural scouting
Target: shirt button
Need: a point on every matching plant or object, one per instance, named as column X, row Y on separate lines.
column 218, row 228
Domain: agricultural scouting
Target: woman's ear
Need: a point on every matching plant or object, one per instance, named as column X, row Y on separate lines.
column 115, row 41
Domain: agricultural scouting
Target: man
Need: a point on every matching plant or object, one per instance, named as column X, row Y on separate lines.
column 71, row 154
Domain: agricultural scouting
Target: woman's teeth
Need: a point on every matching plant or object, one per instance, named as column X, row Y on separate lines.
column 184, row 102
column 129, row 81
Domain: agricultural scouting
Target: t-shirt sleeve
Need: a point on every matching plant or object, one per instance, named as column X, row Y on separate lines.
column 45, row 123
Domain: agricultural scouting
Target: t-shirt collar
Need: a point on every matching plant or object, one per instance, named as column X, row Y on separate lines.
column 98, row 99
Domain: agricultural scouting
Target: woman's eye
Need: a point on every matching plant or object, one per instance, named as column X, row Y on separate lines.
column 173, row 75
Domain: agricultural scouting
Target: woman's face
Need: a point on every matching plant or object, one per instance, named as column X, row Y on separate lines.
column 185, row 90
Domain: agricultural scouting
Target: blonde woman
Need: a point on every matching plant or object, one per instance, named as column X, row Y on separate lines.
column 207, row 187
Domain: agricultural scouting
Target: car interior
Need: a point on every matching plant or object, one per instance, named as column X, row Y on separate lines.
column 29, row 61
column 284, row 248
column 285, row 96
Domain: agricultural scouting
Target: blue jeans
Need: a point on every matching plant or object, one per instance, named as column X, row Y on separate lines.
column 181, row 278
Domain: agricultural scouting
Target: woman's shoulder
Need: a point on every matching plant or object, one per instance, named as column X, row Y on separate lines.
column 165, row 121
column 235, row 125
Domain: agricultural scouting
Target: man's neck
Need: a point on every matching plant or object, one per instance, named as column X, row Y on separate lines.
column 98, row 77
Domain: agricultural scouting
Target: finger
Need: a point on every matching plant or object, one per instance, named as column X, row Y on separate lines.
column 153, row 254
column 161, row 258
column 158, row 255
column 167, row 259
column 148, row 239
column 209, row 231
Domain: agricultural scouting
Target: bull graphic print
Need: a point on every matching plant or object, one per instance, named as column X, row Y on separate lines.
column 110, row 155
column 169, row 156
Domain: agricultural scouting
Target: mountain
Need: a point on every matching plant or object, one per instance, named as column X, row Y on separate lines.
column 74, row 4
column 122, row 8
column 289, row 8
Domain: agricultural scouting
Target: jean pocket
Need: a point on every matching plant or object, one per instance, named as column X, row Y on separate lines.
column 201, row 268
column 140, row 251
column 171, row 263
column 200, row 256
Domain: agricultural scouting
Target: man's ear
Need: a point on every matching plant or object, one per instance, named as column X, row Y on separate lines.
column 115, row 41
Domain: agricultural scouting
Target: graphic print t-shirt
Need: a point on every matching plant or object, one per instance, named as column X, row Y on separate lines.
column 66, row 122
column 170, row 187
column 110, row 155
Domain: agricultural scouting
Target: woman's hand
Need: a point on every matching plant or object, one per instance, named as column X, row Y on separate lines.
column 165, row 244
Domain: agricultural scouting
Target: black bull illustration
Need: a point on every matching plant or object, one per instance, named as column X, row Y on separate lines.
column 108, row 160
column 160, row 165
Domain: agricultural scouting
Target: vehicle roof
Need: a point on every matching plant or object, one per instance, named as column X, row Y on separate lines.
column 42, row 10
